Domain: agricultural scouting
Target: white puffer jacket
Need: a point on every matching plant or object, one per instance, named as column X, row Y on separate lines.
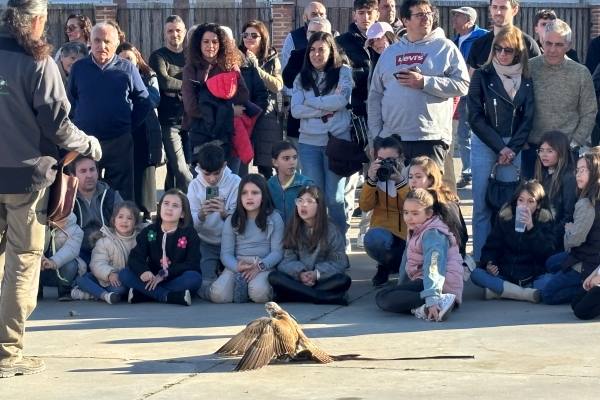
column 110, row 254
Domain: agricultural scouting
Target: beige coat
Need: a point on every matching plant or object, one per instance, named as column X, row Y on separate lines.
column 110, row 254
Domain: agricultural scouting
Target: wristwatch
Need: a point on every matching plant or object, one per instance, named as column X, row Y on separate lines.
column 163, row 273
column 262, row 266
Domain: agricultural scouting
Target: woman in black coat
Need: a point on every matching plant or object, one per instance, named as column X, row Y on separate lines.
column 255, row 46
column 500, row 108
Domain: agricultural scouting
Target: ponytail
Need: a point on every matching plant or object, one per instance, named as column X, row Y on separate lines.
column 17, row 19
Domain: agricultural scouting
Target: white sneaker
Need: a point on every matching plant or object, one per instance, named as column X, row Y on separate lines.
column 419, row 312
column 446, row 303
column 78, row 294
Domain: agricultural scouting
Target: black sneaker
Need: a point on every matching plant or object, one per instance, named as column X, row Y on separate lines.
column 464, row 182
column 182, row 297
column 381, row 277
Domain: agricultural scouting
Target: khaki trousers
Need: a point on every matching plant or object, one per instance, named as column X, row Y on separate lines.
column 259, row 289
column 22, row 229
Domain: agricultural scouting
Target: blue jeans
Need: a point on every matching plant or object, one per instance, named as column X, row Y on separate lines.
column 178, row 171
column 384, row 247
column 67, row 272
column 89, row 284
column 554, row 262
column 316, row 166
column 189, row 280
column 482, row 161
column 463, row 135
column 484, row 279
column 210, row 260
column 562, row 287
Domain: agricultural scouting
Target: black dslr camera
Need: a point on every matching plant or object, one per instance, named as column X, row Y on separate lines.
column 386, row 169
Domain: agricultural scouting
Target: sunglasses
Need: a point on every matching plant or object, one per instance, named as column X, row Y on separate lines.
column 252, row 35
column 71, row 28
column 506, row 50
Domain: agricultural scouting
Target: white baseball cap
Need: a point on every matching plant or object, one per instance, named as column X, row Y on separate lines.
column 378, row 29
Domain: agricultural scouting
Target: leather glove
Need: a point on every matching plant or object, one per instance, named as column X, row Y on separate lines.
column 95, row 150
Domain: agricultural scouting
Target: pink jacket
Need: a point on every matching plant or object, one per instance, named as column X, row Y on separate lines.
column 453, row 282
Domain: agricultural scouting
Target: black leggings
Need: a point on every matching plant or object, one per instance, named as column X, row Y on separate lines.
column 325, row 291
column 586, row 305
column 401, row 298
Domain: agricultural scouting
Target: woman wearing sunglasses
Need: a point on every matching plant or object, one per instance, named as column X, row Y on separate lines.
column 500, row 112
column 78, row 28
column 256, row 46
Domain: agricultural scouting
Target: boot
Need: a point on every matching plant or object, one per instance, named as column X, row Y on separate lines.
column 382, row 276
column 516, row 292
column 491, row 295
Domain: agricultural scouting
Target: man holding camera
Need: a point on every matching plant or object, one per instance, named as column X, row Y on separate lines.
column 384, row 193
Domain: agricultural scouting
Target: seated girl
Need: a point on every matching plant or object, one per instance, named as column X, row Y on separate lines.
column 164, row 265
column 251, row 246
column 109, row 256
column 554, row 170
column 314, row 260
column 431, row 260
column 511, row 261
column 582, row 237
column 424, row 173
column 61, row 264
column 586, row 304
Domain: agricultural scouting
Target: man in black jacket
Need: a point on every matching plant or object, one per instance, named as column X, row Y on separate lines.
column 35, row 120
column 503, row 13
column 168, row 63
column 352, row 44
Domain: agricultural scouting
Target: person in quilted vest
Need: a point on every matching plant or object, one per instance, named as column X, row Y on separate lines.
column 431, row 273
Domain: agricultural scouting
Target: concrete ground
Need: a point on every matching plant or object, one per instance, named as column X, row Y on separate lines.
column 155, row 351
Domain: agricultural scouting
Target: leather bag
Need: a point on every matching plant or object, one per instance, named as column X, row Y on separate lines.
column 63, row 191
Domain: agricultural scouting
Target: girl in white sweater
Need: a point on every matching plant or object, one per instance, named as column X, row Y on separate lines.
column 109, row 256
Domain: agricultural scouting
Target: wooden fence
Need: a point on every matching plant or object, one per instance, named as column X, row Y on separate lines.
column 576, row 15
column 144, row 26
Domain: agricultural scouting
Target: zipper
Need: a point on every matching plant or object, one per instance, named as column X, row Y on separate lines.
column 496, row 111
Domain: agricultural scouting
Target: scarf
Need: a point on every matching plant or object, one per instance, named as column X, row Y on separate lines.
column 510, row 75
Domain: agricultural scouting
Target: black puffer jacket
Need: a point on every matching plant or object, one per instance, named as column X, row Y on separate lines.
column 519, row 256
column 562, row 204
column 352, row 45
column 493, row 116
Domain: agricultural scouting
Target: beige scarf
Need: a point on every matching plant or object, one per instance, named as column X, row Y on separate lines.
column 510, row 75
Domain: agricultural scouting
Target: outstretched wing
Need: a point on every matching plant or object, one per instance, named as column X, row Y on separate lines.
column 260, row 352
column 238, row 344
column 317, row 354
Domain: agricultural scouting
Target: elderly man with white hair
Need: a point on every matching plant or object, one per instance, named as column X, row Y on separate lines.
column 110, row 101
column 565, row 100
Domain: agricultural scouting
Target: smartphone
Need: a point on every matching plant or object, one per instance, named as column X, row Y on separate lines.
column 212, row 192
column 400, row 74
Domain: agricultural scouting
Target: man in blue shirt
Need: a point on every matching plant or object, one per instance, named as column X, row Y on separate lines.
column 109, row 101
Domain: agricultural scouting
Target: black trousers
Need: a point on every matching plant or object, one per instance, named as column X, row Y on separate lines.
column 401, row 298
column 586, row 305
column 434, row 149
column 325, row 291
column 117, row 164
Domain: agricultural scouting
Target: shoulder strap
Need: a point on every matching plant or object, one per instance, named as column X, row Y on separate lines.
column 316, row 89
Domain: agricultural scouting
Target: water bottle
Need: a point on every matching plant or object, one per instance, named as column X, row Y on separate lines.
column 519, row 217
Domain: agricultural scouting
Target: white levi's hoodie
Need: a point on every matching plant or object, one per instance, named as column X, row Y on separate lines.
column 417, row 114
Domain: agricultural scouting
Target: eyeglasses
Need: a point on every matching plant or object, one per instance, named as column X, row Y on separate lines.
column 581, row 170
column 71, row 28
column 422, row 15
column 507, row 50
column 252, row 35
column 308, row 202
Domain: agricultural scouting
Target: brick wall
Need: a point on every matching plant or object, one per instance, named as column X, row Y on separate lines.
column 283, row 13
column 595, row 21
column 105, row 12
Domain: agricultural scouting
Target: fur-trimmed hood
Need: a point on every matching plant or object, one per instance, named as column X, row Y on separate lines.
column 542, row 215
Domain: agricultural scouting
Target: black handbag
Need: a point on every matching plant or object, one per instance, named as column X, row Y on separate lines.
column 498, row 192
column 347, row 157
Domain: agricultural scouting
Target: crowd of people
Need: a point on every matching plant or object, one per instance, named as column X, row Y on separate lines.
column 522, row 110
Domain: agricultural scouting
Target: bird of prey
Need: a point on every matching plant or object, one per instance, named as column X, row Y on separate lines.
column 275, row 336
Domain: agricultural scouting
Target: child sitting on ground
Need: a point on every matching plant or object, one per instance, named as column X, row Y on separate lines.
column 314, row 261
column 164, row 265
column 287, row 183
column 251, row 246
column 61, row 263
column 512, row 262
column 109, row 256
column 212, row 195
column 431, row 260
